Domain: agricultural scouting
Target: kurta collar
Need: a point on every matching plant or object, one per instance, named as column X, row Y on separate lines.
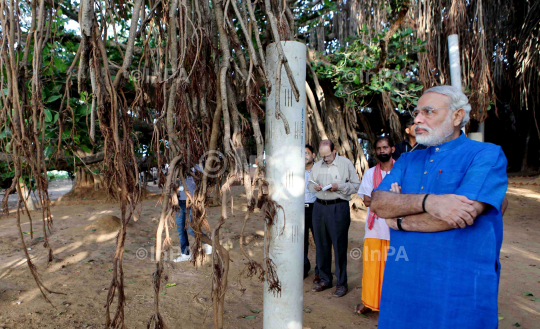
column 450, row 145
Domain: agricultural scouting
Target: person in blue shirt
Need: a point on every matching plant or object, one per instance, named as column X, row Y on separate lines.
column 443, row 206
column 309, row 201
column 181, row 219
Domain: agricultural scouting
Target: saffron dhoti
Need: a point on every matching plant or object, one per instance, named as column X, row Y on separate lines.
column 374, row 255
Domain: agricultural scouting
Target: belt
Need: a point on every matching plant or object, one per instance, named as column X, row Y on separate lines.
column 327, row 202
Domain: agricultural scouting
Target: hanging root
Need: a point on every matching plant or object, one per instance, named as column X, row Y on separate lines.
column 156, row 321
column 274, row 285
column 252, row 268
column 32, row 267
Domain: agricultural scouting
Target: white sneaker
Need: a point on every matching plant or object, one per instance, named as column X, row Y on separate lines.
column 207, row 249
column 182, row 258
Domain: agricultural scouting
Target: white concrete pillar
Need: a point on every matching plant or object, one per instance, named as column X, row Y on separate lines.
column 455, row 68
column 285, row 167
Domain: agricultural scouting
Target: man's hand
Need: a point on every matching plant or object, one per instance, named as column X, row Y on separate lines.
column 334, row 187
column 456, row 210
column 395, row 188
column 392, row 223
column 317, row 187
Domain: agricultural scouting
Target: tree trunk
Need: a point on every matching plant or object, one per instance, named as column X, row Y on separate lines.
column 85, row 181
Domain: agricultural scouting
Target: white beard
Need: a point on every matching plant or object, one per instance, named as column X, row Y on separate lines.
column 435, row 136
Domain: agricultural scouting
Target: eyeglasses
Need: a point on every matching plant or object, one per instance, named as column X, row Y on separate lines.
column 427, row 113
column 324, row 157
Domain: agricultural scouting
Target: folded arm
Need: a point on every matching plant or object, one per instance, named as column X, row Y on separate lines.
column 425, row 222
column 392, row 205
column 367, row 200
column 456, row 210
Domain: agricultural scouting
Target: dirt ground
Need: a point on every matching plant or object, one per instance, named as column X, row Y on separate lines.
column 83, row 249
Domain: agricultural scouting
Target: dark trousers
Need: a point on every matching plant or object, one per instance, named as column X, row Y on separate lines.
column 331, row 229
column 308, row 226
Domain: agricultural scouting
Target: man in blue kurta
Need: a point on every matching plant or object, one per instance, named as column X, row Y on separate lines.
column 444, row 205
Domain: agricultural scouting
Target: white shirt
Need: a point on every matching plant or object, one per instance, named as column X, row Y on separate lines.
column 380, row 230
column 309, row 197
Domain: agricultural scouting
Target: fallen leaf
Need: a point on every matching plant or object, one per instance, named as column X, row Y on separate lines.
column 255, row 311
column 500, row 318
column 250, row 317
column 307, row 310
column 517, row 325
column 528, row 293
column 168, row 285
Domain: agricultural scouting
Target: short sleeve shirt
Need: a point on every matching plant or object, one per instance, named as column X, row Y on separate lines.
column 380, row 229
column 447, row 279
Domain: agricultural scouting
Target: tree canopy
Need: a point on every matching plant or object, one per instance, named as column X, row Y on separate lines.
column 115, row 87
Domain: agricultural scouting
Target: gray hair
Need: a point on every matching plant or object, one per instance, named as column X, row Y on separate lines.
column 458, row 100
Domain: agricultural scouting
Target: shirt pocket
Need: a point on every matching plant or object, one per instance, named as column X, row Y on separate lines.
column 448, row 182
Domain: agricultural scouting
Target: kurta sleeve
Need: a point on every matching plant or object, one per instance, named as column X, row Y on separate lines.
column 366, row 187
column 486, row 179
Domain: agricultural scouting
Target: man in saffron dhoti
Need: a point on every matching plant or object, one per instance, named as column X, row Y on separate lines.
column 377, row 232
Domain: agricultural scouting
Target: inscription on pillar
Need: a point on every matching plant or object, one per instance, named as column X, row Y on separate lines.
column 288, row 96
column 289, row 177
column 297, row 130
column 294, row 235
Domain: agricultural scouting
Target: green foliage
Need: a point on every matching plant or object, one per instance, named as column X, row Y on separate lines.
column 353, row 69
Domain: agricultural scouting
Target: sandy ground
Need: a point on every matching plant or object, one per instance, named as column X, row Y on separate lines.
column 83, row 253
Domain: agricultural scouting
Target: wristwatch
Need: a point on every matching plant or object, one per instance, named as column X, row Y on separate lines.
column 399, row 220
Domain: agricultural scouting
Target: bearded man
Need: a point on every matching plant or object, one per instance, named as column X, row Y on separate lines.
column 443, row 206
column 377, row 233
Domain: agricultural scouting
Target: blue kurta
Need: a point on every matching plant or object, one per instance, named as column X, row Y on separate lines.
column 447, row 279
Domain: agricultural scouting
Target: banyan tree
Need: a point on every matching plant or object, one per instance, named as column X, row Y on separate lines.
column 108, row 89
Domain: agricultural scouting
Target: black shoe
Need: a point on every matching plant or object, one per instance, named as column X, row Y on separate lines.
column 340, row 291
column 317, row 279
column 322, row 286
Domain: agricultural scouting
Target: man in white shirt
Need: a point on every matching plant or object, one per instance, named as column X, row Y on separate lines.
column 309, row 200
column 377, row 232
